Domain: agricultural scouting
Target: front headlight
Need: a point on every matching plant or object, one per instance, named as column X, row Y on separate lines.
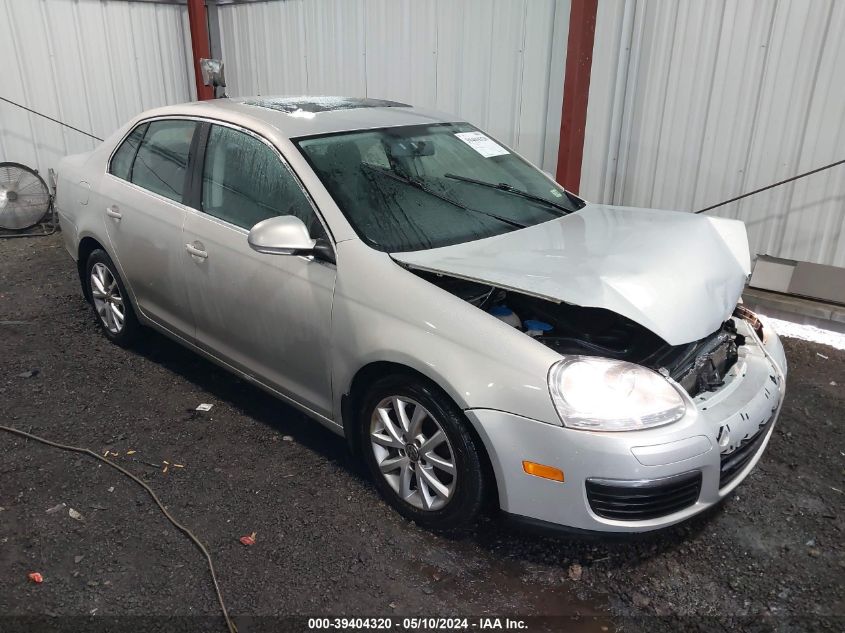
column 601, row 394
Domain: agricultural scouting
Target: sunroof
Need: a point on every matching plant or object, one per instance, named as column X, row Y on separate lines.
column 291, row 105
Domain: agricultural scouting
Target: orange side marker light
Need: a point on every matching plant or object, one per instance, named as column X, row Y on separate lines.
column 543, row 471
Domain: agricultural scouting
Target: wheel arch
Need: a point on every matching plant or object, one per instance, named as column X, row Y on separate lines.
column 87, row 245
column 366, row 375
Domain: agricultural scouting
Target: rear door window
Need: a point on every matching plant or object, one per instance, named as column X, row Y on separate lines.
column 121, row 162
column 162, row 159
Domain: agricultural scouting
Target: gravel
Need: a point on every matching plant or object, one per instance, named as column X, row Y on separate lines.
column 770, row 558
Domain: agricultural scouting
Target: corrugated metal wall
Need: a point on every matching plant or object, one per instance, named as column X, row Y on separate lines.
column 498, row 63
column 693, row 102
column 91, row 63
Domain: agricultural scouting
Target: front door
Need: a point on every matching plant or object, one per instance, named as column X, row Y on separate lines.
column 268, row 315
column 143, row 213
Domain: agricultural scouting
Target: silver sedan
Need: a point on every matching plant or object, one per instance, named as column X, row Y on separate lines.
column 473, row 329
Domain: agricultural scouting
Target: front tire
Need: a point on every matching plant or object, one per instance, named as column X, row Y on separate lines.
column 420, row 453
column 110, row 301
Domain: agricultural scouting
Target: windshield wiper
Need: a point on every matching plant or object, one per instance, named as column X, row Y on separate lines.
column 503, row 186
column 418, row 184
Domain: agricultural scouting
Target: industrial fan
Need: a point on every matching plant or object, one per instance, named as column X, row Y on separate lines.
column 24, row 197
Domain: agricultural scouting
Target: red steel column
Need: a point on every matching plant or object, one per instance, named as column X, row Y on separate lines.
column 576, row 90
column 198, row 19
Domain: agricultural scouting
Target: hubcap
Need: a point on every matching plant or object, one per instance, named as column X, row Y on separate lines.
column 107, row 298
column 413, row 453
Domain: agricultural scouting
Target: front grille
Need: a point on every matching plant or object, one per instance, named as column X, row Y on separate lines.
column 733, row 463
column 645, row 499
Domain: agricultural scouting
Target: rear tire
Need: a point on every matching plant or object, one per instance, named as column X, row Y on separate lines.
column 420, row 453
column 112, row 307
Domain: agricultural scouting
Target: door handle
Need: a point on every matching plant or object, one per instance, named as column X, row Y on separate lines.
column 113, row 212
column 196, row 252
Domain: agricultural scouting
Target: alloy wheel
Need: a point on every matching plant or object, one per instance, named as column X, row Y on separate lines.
column 108, row 302
column 413, row 453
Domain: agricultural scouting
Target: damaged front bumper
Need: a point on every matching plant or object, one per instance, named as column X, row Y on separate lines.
column 642, row 480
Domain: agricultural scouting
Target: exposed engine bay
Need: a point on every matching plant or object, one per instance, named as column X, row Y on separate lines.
column 568, row 329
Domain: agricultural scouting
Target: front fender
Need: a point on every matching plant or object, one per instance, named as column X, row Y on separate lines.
column 382, row 312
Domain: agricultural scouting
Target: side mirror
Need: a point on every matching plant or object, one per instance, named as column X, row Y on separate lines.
column 281, row 235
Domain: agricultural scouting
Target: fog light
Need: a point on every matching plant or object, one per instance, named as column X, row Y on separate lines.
column 541, row 470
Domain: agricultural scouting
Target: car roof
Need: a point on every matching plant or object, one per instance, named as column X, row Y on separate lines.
column 308, row 115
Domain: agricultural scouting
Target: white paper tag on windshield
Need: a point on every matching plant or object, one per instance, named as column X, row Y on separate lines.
column 482, row 144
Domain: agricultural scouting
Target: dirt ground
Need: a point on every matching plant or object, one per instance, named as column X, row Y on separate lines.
column 770, row 558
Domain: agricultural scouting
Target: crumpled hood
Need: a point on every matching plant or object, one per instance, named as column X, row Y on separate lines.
column 678, row 274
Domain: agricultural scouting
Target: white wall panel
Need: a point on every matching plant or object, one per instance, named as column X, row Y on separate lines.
column 90, row 63
column 691, row 101
column 496, row 63
column 694, row 102
column 401, row 50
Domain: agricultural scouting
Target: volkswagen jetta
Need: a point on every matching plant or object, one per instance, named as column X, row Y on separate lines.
column 472, row 328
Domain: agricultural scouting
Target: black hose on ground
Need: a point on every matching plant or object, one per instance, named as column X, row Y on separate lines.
column 75, row 449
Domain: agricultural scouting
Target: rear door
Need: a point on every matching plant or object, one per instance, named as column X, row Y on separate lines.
column 268, row 315
column 143, row 196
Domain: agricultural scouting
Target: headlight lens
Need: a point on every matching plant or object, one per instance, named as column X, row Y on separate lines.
column 600, row 394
